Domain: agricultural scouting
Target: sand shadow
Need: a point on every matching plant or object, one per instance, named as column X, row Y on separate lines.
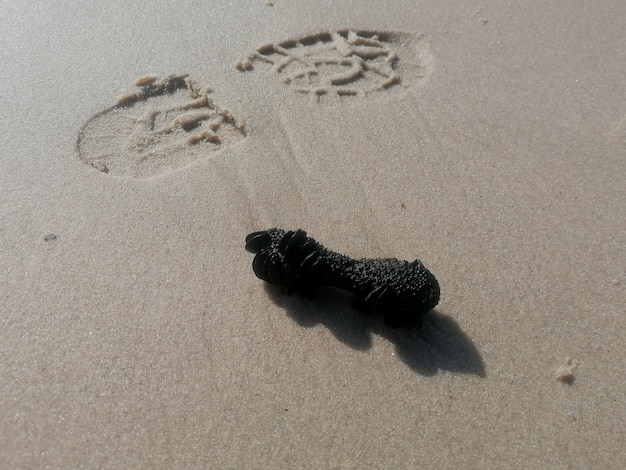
column 439, row 345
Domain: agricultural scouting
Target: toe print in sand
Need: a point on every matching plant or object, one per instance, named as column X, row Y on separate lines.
column 346, row 62
column 162, row 126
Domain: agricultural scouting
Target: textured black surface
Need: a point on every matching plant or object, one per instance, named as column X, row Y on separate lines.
column 402, row 291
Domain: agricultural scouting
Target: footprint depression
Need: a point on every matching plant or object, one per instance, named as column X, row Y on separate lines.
column 164, row 125
column 345, row 62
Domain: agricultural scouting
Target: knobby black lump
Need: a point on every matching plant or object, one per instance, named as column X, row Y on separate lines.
column 402, row 291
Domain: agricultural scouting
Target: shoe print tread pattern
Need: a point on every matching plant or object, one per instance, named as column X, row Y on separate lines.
column 162, row 126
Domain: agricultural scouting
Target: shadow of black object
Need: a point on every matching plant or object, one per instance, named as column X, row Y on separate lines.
column 439, row 345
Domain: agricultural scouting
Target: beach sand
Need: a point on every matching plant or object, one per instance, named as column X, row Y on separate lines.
column 141, row 143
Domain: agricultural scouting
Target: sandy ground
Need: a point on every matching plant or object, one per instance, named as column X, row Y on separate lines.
column 487, row 140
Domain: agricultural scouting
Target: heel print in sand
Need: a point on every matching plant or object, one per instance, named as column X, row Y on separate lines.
column 346, row 62
column 163, row 125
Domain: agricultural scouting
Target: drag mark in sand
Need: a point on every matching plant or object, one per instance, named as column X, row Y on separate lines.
column 161, row 126
column 346, row 62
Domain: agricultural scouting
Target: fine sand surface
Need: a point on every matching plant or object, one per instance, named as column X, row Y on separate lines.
column 141, row 143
